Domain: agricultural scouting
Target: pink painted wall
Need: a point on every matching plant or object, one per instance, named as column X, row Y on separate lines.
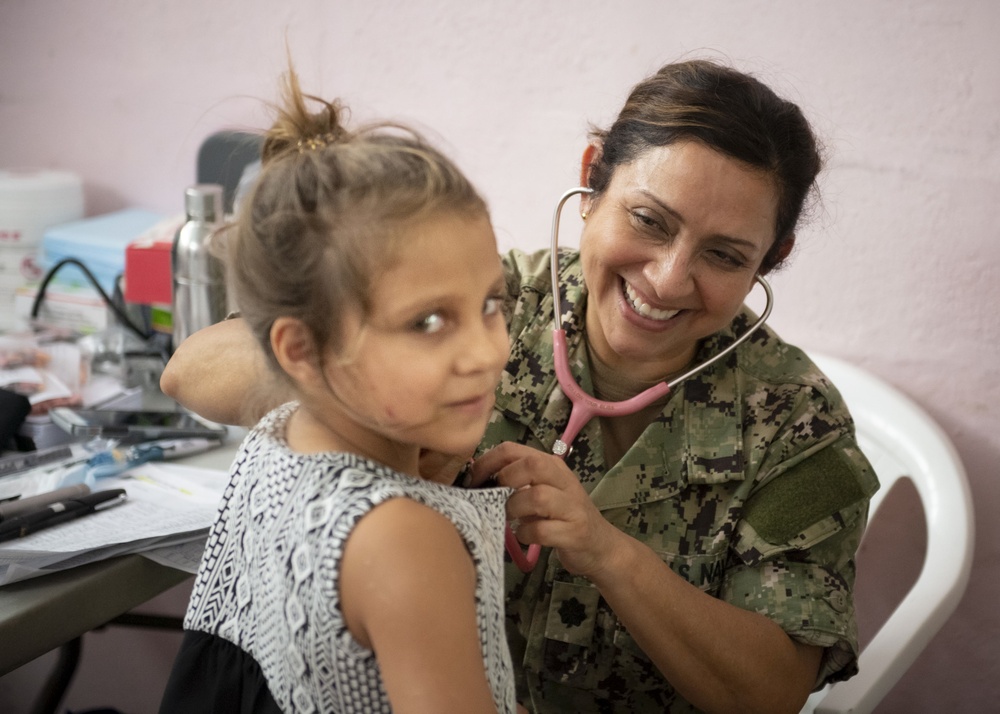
column 897, row 272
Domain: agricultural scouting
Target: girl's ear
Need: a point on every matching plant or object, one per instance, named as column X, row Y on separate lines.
column 294, row 348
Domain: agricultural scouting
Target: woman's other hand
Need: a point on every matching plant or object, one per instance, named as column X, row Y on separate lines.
column 550, row 507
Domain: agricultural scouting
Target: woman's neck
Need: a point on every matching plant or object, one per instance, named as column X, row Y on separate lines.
column 660, row 368
column 615, row 384
column 618, row 433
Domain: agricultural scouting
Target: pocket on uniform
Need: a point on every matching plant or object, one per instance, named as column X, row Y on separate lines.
column 574, row 636
column 572, row 613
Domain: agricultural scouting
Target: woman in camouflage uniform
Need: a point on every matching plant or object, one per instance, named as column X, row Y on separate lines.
column 699, row 555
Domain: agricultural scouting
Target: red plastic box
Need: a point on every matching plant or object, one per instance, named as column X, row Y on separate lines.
column 148, row 279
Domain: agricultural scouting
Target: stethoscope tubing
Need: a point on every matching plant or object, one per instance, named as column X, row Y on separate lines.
column 585, row 407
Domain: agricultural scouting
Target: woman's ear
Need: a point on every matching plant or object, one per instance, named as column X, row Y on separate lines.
column 786, row 249
column 294, row 348
column 590, row 156
column 772, row 261
column 783, row 252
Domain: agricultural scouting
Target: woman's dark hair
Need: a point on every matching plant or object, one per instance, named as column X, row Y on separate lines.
column 728, row 111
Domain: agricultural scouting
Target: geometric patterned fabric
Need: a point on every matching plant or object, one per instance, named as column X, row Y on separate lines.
column 269, row 579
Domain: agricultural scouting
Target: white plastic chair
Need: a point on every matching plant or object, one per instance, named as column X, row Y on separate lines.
column 902, row 441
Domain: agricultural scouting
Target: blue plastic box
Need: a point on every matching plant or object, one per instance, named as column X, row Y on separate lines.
column 98, row 242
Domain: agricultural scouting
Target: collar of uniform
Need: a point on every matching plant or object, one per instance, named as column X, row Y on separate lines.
column 652, row 469
column 696, row 439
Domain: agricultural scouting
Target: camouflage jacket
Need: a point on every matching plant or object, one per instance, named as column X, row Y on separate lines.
column 749, row 484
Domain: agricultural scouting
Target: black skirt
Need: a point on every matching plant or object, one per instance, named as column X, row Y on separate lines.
column 212, row 675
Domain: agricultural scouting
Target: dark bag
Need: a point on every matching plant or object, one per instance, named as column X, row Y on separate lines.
column 14, row 408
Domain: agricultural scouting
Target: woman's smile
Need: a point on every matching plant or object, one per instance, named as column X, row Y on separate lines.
column 644, row 309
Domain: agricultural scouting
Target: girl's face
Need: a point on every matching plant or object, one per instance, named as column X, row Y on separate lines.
column 669, row 253
column 422, row 370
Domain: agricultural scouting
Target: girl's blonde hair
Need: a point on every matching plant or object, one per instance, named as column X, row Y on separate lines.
column 327, row 212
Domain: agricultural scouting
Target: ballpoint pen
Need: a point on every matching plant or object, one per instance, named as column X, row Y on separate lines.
column 114, row 461
column 60, row 512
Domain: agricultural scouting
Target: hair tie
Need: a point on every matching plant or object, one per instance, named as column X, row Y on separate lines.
column 315, row 142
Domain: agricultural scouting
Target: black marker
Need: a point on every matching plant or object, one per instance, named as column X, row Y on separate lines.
column 21, row 506
column 53, row 514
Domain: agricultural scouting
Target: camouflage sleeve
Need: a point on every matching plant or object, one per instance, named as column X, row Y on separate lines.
column 795, row 549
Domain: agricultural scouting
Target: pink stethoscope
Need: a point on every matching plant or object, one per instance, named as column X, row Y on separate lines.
column 585, row 407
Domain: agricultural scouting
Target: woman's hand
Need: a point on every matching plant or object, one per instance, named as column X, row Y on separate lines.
column 550, row 507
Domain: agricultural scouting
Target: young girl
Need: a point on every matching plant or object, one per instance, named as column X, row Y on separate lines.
column 335, row 578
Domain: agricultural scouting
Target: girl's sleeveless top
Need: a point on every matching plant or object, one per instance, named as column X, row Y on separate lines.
column 264, row 626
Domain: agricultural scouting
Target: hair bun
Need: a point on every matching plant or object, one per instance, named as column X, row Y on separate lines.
column 296, row 129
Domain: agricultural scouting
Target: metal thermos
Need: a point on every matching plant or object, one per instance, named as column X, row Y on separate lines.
column 199, row 275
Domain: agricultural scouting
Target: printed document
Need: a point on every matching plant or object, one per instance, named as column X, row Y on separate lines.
column 168, row 505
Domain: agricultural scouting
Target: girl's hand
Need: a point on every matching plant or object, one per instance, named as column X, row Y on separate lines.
column 551, row 507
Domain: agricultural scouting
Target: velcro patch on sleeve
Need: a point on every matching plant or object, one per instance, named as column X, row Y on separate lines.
column 810, row 491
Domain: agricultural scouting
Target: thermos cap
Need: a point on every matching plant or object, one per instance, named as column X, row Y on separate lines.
column 203, row 202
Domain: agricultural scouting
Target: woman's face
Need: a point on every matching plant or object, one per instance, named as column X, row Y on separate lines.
column 669, row 253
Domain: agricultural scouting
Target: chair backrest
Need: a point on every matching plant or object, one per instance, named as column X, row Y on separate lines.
column 222, row 158
column 902, row 441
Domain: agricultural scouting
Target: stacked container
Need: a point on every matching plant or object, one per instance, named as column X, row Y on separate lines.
column 30, row 202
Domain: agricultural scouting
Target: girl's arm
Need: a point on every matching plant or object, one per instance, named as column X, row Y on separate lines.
column 221, row 373
column 408, row 592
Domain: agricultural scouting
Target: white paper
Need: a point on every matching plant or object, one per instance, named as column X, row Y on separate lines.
column 167, row 504
column 183, row 556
